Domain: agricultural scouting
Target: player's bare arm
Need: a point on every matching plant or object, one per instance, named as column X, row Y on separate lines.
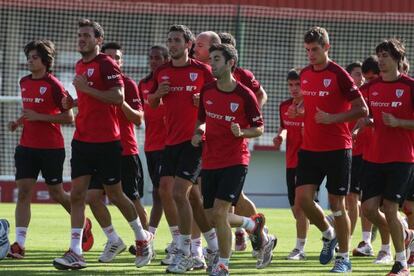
column 115, row 95
column 261, row 96
column 154, row 100
column 198, row 133
column 134, row 116
column 278, row 139
column 251, row 132
column 358, row 109
column 61, row 118
column 13, row 125
column 392, row 121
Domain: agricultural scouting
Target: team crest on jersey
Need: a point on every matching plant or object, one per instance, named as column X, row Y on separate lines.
column 42, row 90
column 399, row 93
column 234, row 107
column 327, row 82
column 90, row 72
column 193, row 76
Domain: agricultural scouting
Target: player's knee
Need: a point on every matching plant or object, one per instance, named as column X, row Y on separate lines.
column 179, row 196
column 24, row 195
column 56, row 195
column 77, row 196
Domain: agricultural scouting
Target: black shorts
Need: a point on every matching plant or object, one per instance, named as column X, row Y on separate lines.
column 410, row 191
column 132, row 177
column 30, row 161
column 102, row 159
column 335, row 165
column 154, row 166
column 389, row 180
column 182, row 160
column 291, row 184
column 225, row 184
column 356, row 174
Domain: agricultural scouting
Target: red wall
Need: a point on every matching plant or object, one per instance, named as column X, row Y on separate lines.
column 8, row 192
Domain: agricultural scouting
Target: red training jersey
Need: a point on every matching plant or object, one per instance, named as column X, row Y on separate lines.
column 391, row 144
column 155, row 133
column 42, row 96
column 330, row 90
column 127, row 128
column 218, row 109
column 247, row 78
column 97, row 122
column 180, row 111
column 294, row 127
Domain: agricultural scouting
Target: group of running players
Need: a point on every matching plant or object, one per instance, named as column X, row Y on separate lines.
column 200, row 109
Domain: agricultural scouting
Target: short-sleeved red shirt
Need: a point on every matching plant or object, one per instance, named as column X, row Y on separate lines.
column 330, row 90
column 97, row 122
column 218, row 110
column 391, row 144
column 127, row 128
column 294, row 128
column 180, row 111
column 42, row 96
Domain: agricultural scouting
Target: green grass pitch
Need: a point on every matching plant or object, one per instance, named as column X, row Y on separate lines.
column 49, row 233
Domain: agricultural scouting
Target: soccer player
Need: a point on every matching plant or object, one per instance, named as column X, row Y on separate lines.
column 175, row 83
column 228, row 115
column 203, row 42
column 244, row 207
column 96, row 146
column 352, row 199
column 154, row 132
column 330, row 99
column 294, row 129
column 388, row 170
column 130, row 114
column 41, row 147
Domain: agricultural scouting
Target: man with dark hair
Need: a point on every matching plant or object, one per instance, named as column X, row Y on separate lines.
column 41, row 146
column 330, row 100
column 225, row 154
column 154, row 133
column 388, row 170
column 96, row 146
column 227, row 38
column 132, row 182
column 244, row 206
column 362, row 137
column 370, row 68
column 294, row 129
column 175, row 83
column 364, row 248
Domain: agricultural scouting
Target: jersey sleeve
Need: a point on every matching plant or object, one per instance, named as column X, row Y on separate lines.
column 111, row 73
column 201, row 110
column 282, row 125
column 347, row 86
column 250, row 81
column 58, row 92
column 132, row 96
column 253, row 114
